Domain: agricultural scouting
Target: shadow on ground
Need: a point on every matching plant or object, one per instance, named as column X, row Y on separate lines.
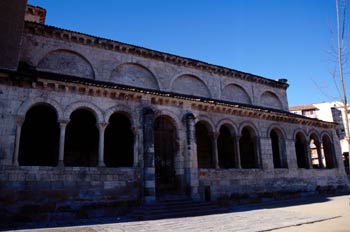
column 232, row 208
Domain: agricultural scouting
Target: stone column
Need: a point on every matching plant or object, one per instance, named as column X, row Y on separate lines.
column 291, row 154
column 308, row 155
column 258, row 163
column 19, row 123
column 237, row 152
column 101, row 143
column 266, row 155
column 320, row 155
column 63, row 125
column 214, row 141
column 191, row 162
column 149, row 167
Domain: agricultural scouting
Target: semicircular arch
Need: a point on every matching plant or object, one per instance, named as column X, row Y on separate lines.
column 25, row 106
column 84, row 105
column 134, row 74
column 68, row 62
column 191, row 85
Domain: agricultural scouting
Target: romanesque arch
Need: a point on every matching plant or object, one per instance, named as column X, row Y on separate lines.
column 39, row 137
column 96, row 111
column 190, row 85
column 248, row 148
column 31, row 102
column 66, row 62
column 119, row 141
column 235, row 93
column 328, row 151
column 133, row 74
column 301, row 149
column 122, row 109
column 270, row 100
column 204, row 145
column 81, row 143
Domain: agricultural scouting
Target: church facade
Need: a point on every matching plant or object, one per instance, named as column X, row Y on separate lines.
column 86, row 120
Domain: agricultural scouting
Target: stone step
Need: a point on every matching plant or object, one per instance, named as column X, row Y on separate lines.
column 172, row 208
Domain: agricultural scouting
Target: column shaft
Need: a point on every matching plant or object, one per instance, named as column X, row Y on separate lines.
column 19, row 124
column 101, row 143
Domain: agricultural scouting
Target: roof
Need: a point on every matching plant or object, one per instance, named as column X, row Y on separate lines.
column 303, row 107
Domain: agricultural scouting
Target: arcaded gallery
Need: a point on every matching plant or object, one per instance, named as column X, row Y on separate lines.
column 90, row 120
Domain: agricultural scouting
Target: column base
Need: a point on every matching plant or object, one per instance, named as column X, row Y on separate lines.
column 101, row 164
column 60, row 163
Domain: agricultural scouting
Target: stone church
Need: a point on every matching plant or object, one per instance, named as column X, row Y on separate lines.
column 87, row 120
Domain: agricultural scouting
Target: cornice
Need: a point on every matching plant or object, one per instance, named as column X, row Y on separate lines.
column 88, row 40
column 59, row 83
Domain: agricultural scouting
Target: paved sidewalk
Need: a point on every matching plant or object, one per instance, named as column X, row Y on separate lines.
column 311, row 214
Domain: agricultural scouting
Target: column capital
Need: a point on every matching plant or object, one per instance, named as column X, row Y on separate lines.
column 63, row 122
column 102, row 125
column 189, row 116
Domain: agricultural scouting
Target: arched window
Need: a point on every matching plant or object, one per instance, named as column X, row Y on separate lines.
column 301, row 151
column 328, row 151
column 39, row 137
column 248, row 148
column 315, row 148
column 81, row 142
column 226, row 148
column 278, row 149
column 119, row 142
column 204, row 146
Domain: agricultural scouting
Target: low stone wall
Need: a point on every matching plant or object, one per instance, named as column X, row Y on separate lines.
column 52, row 193
column 235, row 183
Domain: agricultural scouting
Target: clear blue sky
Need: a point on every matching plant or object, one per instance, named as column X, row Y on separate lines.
column 272, row 38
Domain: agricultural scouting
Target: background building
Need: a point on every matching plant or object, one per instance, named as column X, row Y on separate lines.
column 330, row 112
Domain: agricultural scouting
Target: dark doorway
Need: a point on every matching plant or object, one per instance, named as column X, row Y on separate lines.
column 301, row 151
column 226, row 148
column 247, row 146
column 119, row 142
column 204, row 146
column 165, row 149
column 81, row 142
column 39, row 138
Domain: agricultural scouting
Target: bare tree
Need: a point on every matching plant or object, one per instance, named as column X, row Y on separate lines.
column 340, row 37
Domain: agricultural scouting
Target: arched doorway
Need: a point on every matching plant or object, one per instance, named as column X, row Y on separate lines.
column 165, row 147
column 81, row 142
column 39, row 138
column 119, row 142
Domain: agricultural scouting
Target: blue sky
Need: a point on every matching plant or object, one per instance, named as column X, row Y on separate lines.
column 289, row 39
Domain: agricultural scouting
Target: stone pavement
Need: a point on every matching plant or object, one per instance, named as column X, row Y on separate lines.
column 289, row 215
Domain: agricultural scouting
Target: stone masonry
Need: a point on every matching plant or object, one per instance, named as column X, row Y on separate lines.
column 101, row 82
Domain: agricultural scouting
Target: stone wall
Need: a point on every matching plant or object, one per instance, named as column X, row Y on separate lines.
column 61, row 54
column 52, row 193
column 231, row 184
